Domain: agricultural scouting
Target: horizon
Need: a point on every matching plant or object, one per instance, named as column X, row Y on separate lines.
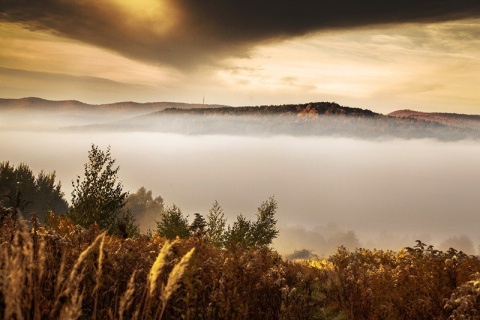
column 230, row 106
column 383, row 57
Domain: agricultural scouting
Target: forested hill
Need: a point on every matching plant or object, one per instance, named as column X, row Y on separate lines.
column 33, row 104
column 310, row 119
column 450, row 119
column 301, row 110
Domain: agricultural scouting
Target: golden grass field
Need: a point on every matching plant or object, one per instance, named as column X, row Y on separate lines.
column 62, row 271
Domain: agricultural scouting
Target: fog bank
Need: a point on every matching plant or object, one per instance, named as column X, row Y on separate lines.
column 387, row 192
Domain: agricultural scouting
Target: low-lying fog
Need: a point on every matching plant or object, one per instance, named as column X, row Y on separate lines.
column 389, row 193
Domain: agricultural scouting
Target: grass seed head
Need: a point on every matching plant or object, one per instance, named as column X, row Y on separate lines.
column 156, row 269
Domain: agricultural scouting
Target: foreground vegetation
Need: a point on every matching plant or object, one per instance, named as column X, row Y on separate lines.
column 60, row 270
column 93, row 263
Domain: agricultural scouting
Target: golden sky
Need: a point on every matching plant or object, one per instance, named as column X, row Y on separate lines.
column 384, row 56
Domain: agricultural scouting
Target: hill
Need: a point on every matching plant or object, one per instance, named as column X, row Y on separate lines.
column 309, row 110
column 310, row 119
column 449, row 119
column 40, row 114
column 33, row 104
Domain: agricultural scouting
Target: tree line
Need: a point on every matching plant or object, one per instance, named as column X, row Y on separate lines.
column 21, row 189
column 98, row 197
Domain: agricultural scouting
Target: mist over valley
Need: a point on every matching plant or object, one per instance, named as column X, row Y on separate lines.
column 351, row 176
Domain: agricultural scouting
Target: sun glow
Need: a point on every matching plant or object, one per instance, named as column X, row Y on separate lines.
column 141, row 7
column 161, row 14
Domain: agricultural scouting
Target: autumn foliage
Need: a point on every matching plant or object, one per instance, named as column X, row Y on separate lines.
column 60, row 270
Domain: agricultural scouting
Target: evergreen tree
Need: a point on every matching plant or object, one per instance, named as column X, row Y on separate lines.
column 197, row 228
column 215, row 228
column 99, row 196
column 173, row 224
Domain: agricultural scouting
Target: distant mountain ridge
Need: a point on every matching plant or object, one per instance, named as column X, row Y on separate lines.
column 313, row 119
column 450, row 119
column 35, row 103
column 310, row 119
column 40, row 114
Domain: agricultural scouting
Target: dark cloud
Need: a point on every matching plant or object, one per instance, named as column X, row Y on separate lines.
column 186, row 33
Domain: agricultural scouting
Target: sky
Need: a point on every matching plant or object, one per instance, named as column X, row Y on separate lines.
column 379, row 55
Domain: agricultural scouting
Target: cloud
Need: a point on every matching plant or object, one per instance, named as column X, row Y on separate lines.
column 189, row 33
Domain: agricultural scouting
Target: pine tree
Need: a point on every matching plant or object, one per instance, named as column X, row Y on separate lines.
column 197, row 228
column 215, row 229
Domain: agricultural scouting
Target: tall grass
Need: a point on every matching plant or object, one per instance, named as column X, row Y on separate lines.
column 61, row 271
column 85, row 285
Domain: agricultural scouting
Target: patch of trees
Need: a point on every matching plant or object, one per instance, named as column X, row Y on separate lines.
column 243, row 232
column 302, row 254
column 23, row 192
column 144, row 208
column 98, row 198
column 312, row 119
column 327, row 108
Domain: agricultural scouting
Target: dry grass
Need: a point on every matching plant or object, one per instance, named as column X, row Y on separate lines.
column 156, row 269
column 65, row 272
column 80, row 283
